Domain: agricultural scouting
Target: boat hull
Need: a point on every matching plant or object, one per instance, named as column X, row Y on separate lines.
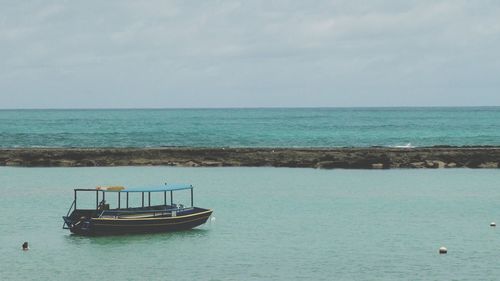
column 117, row 226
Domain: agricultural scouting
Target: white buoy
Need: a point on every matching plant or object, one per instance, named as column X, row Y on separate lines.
column 493, row 224
column 443, row 250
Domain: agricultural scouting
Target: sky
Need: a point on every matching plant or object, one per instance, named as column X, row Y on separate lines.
column 178, row 54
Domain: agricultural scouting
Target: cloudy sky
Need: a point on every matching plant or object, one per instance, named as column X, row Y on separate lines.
column 122, row 54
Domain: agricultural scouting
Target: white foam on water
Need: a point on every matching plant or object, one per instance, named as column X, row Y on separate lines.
column 408, row 145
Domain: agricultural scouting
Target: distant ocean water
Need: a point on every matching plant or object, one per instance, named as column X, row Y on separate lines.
column 276, row 127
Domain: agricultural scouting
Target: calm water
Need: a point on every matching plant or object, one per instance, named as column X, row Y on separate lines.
column 270, row 224
column 318, row 127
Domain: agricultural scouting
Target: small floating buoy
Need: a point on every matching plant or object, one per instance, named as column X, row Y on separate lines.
column 443, row 250
column 493, row 224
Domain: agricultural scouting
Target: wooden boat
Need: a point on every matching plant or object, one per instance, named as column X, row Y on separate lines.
column 103, row 220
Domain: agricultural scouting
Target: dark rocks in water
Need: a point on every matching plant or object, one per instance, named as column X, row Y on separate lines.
column 378, row 166
column 489, row 165
column 324, row 158
column 334, row 164
column 417, row 165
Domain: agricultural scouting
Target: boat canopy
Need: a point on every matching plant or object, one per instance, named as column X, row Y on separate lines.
column 158, row 188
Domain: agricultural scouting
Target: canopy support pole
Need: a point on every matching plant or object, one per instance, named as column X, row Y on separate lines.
column 142, row 199
column 119, row 199
column 192, row 197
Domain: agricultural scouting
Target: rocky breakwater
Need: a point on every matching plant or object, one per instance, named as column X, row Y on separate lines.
column 327, row 158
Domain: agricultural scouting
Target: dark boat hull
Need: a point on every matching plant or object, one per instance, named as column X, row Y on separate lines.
column 117, row 226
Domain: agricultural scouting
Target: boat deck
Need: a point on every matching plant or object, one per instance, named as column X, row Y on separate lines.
column 118, row 214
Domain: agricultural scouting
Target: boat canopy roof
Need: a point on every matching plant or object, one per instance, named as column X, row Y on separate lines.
column 158, row 188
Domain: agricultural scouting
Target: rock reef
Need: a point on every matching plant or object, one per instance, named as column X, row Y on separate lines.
column 326, row 158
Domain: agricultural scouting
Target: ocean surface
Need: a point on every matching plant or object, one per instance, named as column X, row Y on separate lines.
column 268, row 224
column 302, row 127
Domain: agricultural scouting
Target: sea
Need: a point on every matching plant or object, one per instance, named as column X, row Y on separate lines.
column 252, row 127
column 268, row 223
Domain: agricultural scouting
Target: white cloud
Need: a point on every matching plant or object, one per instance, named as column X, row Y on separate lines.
column 248, row 53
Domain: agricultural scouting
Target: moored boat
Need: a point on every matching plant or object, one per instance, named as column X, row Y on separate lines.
column 147, row 218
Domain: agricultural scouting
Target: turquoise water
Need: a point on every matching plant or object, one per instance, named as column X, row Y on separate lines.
column 270, row 224
column 305, row 127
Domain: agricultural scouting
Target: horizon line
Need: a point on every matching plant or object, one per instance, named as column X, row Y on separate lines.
column 250, row 107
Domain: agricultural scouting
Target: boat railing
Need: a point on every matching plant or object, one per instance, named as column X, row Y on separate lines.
column 71, row 208
column 68, row 213
column 138, row 213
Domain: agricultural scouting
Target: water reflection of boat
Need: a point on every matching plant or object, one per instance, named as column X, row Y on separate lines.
column 147, row 218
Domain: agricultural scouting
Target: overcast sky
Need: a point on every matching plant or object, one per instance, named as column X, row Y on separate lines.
column 116, row 54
